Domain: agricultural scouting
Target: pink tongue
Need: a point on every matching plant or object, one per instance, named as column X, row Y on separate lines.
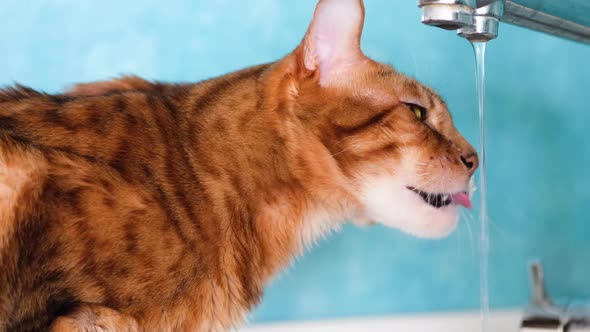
column 461, row 199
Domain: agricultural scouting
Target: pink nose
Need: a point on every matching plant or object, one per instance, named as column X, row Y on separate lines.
column 471, row 162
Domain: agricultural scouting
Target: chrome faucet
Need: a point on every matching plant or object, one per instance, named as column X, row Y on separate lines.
column 478, row 20
column 475, row 21
column 543, row 315
column 447, row 14
column 484, row 23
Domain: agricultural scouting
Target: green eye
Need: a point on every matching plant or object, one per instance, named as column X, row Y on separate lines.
column 419, row 111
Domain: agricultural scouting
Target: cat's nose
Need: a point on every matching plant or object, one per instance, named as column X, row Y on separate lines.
column 471, row 162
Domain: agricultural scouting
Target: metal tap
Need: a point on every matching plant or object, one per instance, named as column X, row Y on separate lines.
column 484, row 23
column 543, row 315
column 475, row 20
column 447, row 14
column 478, row 20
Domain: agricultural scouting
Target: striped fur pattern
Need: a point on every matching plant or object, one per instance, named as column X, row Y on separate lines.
column 128, row 205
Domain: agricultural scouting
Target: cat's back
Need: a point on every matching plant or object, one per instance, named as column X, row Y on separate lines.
column 103, row 197
column 129, row 129
column 69, row 201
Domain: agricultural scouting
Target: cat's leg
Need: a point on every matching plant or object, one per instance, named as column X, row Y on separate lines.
column 95, row 318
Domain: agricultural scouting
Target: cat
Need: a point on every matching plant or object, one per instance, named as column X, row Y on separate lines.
column 128, row 205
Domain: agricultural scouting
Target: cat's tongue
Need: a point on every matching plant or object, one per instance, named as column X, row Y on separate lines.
column 461, row 199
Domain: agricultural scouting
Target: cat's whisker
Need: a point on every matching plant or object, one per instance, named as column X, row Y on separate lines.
column 337, row 153
column 419, row 176
column 468, row 214
column 419, row 182
column 469, row 230
column 345, row 138
column 396, row 137
column 421, row 186
column 494, row 226
column 458, row 243
column 425, row 164
column 416, row 181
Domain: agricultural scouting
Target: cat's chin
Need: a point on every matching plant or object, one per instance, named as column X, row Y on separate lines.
column 390, row 203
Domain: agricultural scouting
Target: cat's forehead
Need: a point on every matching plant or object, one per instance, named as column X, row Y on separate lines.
column 409, row 89
column 383, row 85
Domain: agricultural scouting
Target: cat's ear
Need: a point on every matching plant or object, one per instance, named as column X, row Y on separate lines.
column 332, row 44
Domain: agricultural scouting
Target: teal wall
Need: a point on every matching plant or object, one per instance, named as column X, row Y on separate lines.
column 538, row 133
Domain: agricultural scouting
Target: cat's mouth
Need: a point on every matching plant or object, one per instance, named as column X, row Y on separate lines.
column 439, row 200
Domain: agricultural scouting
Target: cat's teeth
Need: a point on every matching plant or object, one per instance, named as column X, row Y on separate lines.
column 445, row 197
column 472, row 186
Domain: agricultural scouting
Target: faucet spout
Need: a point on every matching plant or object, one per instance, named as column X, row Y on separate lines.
column 485, row 21
column 447, row 14
column 483, row 3
column 478, row 20
column 475, row 20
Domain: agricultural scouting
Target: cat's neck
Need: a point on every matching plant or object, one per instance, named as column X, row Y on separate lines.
column 276, row 190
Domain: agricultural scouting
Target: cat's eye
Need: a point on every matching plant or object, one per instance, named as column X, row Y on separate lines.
column 419, row 111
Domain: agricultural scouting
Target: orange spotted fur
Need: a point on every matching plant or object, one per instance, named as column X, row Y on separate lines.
column 128, row 205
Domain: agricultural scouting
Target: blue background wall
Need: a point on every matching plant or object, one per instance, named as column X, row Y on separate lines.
column 539, row 138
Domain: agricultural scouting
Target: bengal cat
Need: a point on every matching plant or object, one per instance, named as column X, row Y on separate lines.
column 136, row 206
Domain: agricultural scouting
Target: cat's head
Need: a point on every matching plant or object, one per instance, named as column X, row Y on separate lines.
column 391, row 137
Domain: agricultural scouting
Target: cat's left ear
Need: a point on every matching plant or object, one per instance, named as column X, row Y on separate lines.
column 332, row 44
